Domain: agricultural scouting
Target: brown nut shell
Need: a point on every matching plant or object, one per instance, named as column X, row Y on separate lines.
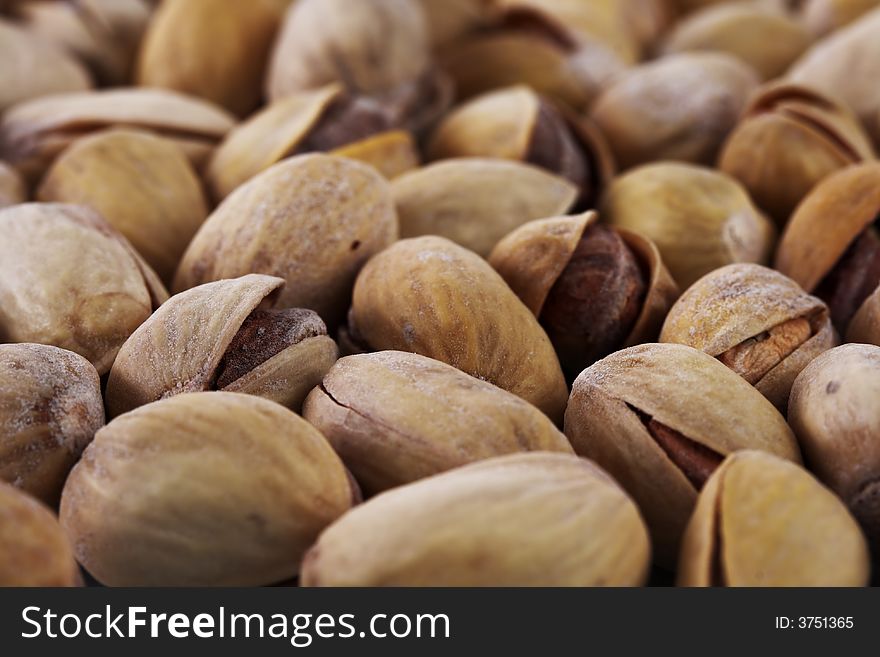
column 712, row 409
column 517, row 520
column 50, row 409
column 763, row 521
column 203, row 489
column 430, row 296
column 395, row 417
column 865, row 324
column 48, row 296
column 12, row 189
column 475, row 201
column 391, row 153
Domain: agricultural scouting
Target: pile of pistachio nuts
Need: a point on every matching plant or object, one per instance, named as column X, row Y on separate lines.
column 439, row 292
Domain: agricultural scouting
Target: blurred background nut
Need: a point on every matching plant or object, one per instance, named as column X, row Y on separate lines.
column 593, row 288
column 835, row 414
column 213, row 49
column 313, row 220
column 35, row 550
column 395, row 417
column 700, row 219
column 449, row 20
column 211, row 488
column 68, row 279
column 432, row 297
column 50, row 409
column 825, row 16
column 223, row 335
column 12, row 189
column 660, row 418
column 141, row 184
column 790, row 138
column 521, row 520
column 831, row 247
column 756, row 321
column 680, row 107
column 763, row 521
column 477, row 201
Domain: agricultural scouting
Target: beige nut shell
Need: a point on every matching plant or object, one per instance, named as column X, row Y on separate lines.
column 519, row 520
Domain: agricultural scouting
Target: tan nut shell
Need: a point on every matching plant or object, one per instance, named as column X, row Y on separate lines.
column 823, row 17
column 865, row 324
column 12, row 189
column 518, row 520
column 395, row 417
column 391, row 153
column 767, row 522
column 475, row 201
column 68, row 279
column 430, row 296
column 732, row 304
column 699, row 219
column 50, row 408
column 449, row 20
column 35, row 550
column 141, row 184
column 687, row 391
column 32, row 134
column 213, row 49
column 179, row 348
column 209, row 488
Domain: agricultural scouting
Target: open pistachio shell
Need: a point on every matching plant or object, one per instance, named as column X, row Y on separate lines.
column 476, row 201
column 50, row 409
column 391, row 153
column 613, row 416
column 12, row 189
column 763, row 521
column 518, row 520
column 395, row 417
column 68, row 279
column 458, row 310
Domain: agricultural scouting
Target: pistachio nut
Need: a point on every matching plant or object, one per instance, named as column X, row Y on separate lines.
column 660, row 418
column 834, row 412
column 207, row 488
column 700, row 219
column 477, row 201
column 680, row 107
column 50, row 409
column 68, row 279
column 430, row 296
column 518, row 520
column 790, row 138
column 865, row 324
column 823, row 17
column 313, row 220
column 141, row 184
column 12, row 189
column 594, row 289
column 756, row 321
column 763, row 521
column 395, row 417
column 449, row 20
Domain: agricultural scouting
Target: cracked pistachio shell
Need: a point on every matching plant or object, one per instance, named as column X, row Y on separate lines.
column 12, row 189
column 313, row 220
column 35, row 550
column 680, row 107
column 475, row 201
column 33, row 68
column 180, row 347
column 370, row 47
column 735, row 303
column 391, row 153
column 141, row 184
column 395, row 417
column 699, row 219
column 68, row 279
column 763, row 521
column 50, row 408
column 822, row 17
column 203, row 489
column 834, row 412
column 789, row 139
column 213, row 49
column 449, row 20
column 518, row 520
column 430, row 296
column 33, row 133
column 687, row 391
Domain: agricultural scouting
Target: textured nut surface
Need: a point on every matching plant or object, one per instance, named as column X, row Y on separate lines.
column 763, row 521
column 521, row 520
column 395, row 417
column 50, row 409
column 210, row 488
